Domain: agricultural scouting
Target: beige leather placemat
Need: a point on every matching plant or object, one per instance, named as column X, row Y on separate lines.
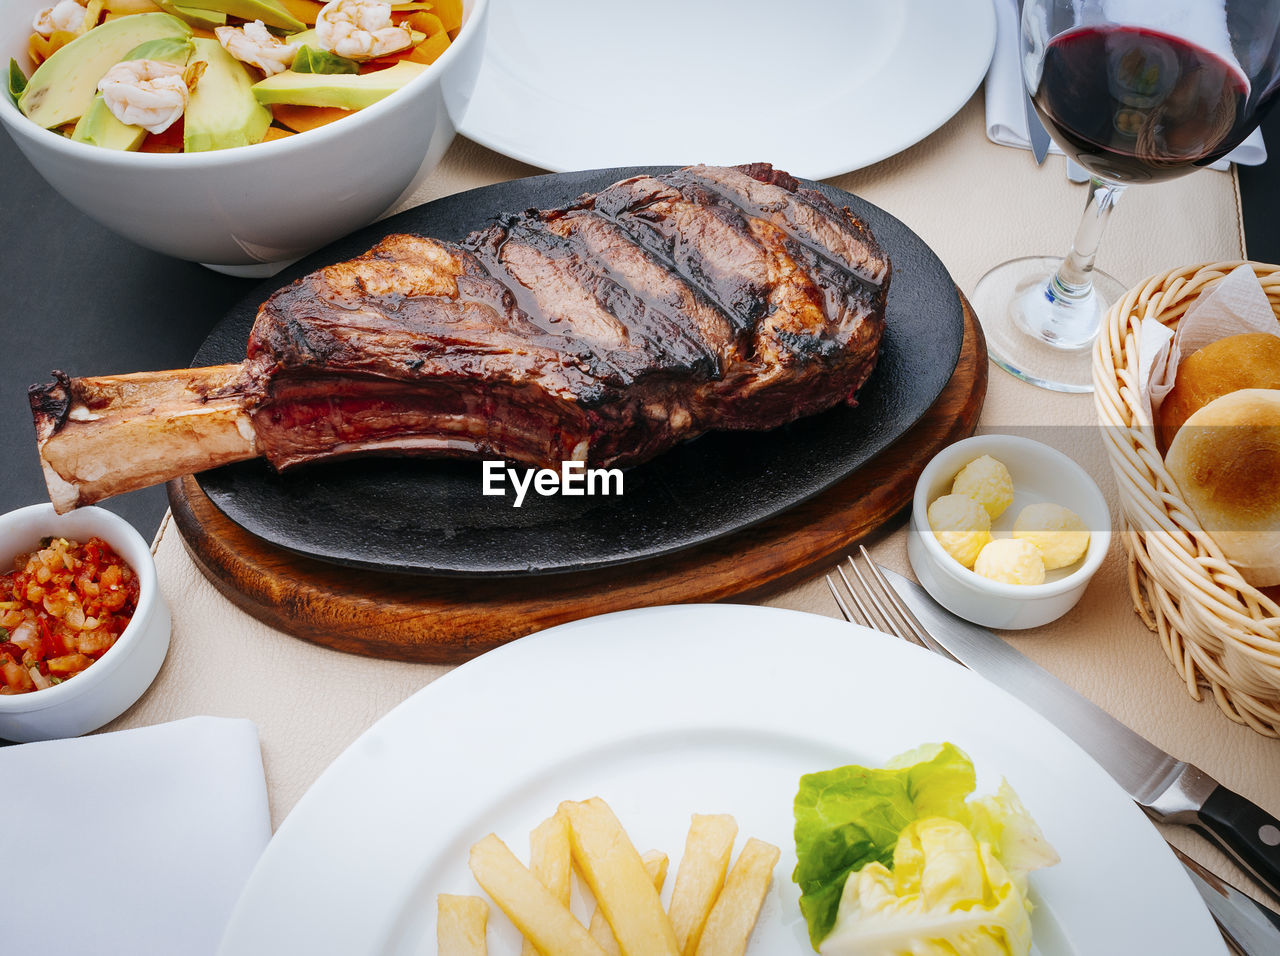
column 975, row 204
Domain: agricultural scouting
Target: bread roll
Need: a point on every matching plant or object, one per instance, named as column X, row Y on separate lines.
column 1226, row 461
column 1251, row 360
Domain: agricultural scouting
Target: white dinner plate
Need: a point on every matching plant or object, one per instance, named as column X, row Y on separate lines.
column 668, row 711
column 816, row 87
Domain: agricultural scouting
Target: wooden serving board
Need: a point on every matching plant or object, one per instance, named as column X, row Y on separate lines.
column 450, row 620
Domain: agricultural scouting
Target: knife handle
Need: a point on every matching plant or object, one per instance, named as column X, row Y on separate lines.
column 1247, row 832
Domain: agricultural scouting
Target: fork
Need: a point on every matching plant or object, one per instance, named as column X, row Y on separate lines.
column 882, row 609
column 875, row 604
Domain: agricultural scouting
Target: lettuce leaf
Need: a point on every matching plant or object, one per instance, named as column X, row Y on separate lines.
column 849, row 817
column 310, row 59
column 947, row 894
column 17, row 81
column 1002, row 821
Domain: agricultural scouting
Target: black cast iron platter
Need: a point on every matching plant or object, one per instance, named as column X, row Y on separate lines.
column 429, row 517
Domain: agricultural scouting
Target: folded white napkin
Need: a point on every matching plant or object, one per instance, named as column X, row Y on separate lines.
column 132, row 842
column 1006, row 114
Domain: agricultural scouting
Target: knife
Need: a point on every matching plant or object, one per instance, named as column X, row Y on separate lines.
column 1169, row 790
column 1250, row 928
column 1036, row 132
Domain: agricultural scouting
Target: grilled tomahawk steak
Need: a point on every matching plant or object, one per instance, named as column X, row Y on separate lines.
column 604, row 332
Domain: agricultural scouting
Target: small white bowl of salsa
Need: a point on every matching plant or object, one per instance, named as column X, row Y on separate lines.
column 85, row 628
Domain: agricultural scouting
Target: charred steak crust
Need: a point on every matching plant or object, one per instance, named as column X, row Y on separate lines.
column 607, row 331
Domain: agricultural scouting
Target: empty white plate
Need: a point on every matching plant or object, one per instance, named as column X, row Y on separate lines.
column 815, row 87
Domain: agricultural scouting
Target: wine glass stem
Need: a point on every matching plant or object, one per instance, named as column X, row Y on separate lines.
column 1073, row 279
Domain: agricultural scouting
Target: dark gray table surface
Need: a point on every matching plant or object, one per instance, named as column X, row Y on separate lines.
column 75, row 296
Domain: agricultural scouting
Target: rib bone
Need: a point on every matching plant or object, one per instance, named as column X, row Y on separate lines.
column 99, row 437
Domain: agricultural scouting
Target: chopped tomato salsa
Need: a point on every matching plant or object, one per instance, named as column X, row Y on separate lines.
column 61, row 608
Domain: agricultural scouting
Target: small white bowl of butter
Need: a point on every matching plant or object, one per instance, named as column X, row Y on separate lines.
column 1040, row 475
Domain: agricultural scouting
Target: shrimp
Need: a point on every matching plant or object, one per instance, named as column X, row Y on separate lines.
column 65, row 15
column 146, row 93
column 255, row 45
column 360, row 29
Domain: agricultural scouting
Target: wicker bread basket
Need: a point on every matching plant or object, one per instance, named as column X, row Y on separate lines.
column 1219, row 632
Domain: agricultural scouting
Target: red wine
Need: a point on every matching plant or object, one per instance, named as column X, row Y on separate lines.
column 1134, row 105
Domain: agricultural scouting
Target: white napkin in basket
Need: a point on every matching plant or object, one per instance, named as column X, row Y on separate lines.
column 1006, row 115
column 131, row 842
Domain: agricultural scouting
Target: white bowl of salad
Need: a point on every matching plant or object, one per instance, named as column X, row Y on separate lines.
column 83, row 625
column 241, row 134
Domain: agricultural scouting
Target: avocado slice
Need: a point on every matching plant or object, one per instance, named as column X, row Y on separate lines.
column 206, row 19
column 270, row 12
column 222, row 111
column 175, row 50
column 99, row 126
column 64, row 85
column 348, row 91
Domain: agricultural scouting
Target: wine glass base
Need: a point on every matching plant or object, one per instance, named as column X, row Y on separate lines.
column 1030, row 334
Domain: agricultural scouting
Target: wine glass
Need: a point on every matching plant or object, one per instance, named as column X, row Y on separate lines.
column 1135, row 91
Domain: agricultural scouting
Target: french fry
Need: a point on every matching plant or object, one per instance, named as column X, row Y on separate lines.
column 612, row 868
column 549, row 861
column 460, row 925
column 655, row 864
column 729, row 926
column 707, row 849
column 537, row 914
